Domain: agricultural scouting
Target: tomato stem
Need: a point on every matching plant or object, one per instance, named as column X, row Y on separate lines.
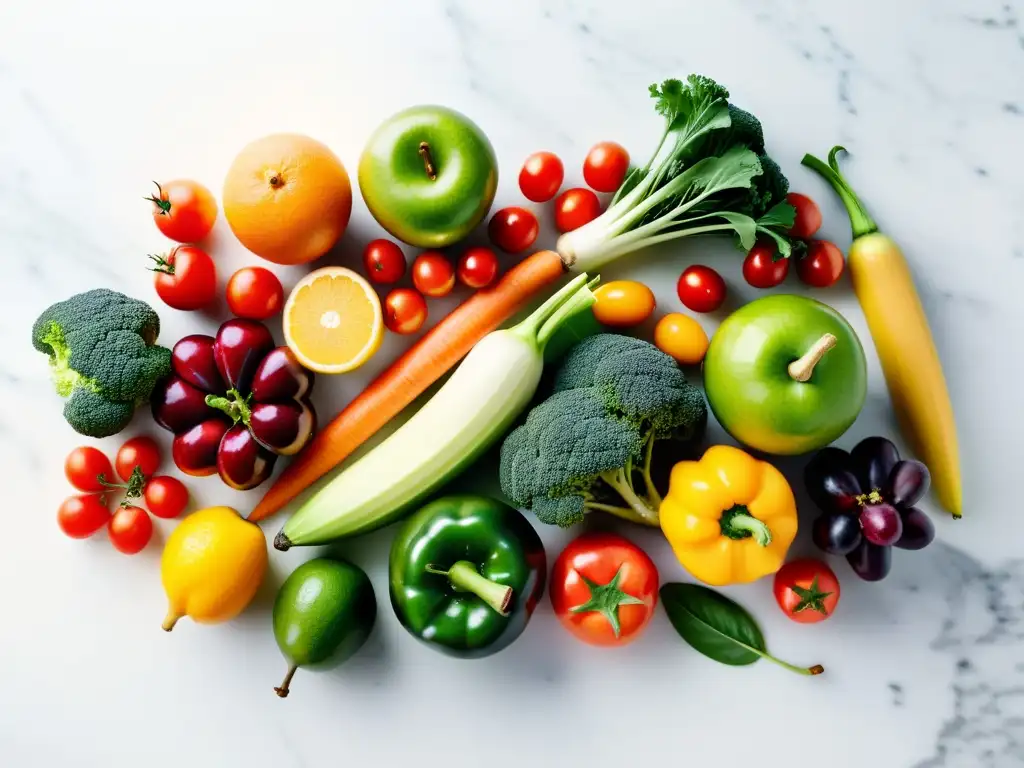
column 428, row 161
column 159, row 202
column 162, row 265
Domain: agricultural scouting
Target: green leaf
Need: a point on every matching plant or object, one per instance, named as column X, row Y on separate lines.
column 713, row 624
column 781, row 215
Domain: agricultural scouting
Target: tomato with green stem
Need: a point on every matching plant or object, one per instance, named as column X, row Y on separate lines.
column 541, row 176
column 141, row 452
column 81, row 516
column 763, row 268
column 806, row 590
column 183, row 210
column 255, row 293
column 166, row 497
column 186, row 278
column 383, row 261
column 130, row 530
column 606, row 166
column 84, row 466
column 604, row 589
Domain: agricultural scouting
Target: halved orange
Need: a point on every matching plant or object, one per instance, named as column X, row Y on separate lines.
column 333, row 321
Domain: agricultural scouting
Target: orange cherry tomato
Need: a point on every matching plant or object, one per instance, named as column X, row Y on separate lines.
column 682, row 338
column 604, row 589
column 623, row 303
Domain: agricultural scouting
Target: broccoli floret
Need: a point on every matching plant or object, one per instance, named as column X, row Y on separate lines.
column 103, row 357
column 586, row 446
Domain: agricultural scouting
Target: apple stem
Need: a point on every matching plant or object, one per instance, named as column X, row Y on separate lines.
column 802, row 369
column 428, row 161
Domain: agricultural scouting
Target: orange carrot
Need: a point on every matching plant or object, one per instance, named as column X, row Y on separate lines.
column 410, row 375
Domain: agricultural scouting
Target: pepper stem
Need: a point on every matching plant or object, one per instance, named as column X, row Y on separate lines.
column 428, row 161
column 282, row 689
column 738, row 523
column 234, row 405
column 803, row 369
column 170, row 620
column 860, row 220
column 464, row 577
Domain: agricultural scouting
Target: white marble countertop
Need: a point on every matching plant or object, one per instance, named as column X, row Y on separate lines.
column 924, row 669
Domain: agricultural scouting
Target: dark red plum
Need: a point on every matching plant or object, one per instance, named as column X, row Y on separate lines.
column 908, row 482
column 192, row 359
column 281, row 377
column 873, row 460
column 195, row 451
column 177, row 405
column 830, row 483
column 870, row 561
column 239, row 348
column 241, row 461
column 836, row 533
column 284, row 428
column 881, row 524
column 918, row 530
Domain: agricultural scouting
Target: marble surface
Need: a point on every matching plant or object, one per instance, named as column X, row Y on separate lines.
column 924, row 670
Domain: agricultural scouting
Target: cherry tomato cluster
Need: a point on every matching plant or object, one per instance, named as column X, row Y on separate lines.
column 819, row 263
column 186, row 277
column 433, row 275
column 129, row 527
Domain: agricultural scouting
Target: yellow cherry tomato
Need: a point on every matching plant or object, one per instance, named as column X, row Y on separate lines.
column 681, row 337
column 622, row 303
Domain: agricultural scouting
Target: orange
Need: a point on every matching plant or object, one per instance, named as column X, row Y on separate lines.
column 333, row 321
column 287, row 198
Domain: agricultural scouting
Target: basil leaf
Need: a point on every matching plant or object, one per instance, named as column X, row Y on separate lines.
column 713, row 624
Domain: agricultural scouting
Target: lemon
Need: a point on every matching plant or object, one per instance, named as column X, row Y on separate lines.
column 212, row 565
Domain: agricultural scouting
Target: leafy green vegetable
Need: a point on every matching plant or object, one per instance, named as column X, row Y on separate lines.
column 718, row 627
column 589, row 446
column 709, row 174
column 103, row 357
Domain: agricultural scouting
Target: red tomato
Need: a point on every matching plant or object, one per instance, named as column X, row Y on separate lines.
column 604, row 589
column 81, row 516
column 574, row 208
column 186, row 278
column 808, row 216
column 383, row 261
column 142, row 452
column 255, row 293
column 432, row 274
column 130, row 530
column 761, row 269
column 478, row 267
column 606, row 166
column 822, row 265
column 806, row 590
column 405, row 311
column 84, row 465
column 513, row 229
column 541, row 176
column 701, row 289
column 184, row 210
column 166, row 497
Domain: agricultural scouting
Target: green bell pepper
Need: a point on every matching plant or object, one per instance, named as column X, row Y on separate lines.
column 466, row 574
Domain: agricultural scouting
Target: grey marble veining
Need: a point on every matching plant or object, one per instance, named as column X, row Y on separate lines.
column 924, row 670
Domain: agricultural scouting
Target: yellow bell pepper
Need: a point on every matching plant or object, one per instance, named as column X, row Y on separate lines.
column 729, row 517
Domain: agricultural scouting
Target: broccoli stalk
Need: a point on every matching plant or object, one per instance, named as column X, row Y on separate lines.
column 708, row 175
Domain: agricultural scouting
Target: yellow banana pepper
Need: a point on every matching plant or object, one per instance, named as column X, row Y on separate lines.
column 729, row 517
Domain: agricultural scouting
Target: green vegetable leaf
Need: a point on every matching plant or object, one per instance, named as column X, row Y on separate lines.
column 719, row 628
column 713, row 624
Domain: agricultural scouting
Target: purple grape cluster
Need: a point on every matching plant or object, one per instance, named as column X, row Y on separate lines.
column 867, row 499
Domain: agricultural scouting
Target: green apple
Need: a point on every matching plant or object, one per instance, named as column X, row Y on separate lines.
column 428, row 176
column 785, row 375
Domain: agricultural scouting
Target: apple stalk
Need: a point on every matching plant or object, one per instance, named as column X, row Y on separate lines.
column 803, row 368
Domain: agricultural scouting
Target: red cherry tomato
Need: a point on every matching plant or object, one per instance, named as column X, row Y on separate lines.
column 478, row 267
column 383, row 261
column 81, row 516
column 604, row 589
column 701, row 289
column 808, row 216
column 761, row 268
column 541, row 176
column 141, row 452
column 574, row 208
column 166, row 496
column 185, row 278
column 606, row 166
column 405, row 311
column 513, row 230
column 84, row 465
column 822, row 265
column 255, row 293
column 432, row 274
column 806, row 590
column 184, row 210
column 130, row 530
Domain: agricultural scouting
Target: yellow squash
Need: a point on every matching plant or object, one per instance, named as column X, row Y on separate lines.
column 903, row 339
